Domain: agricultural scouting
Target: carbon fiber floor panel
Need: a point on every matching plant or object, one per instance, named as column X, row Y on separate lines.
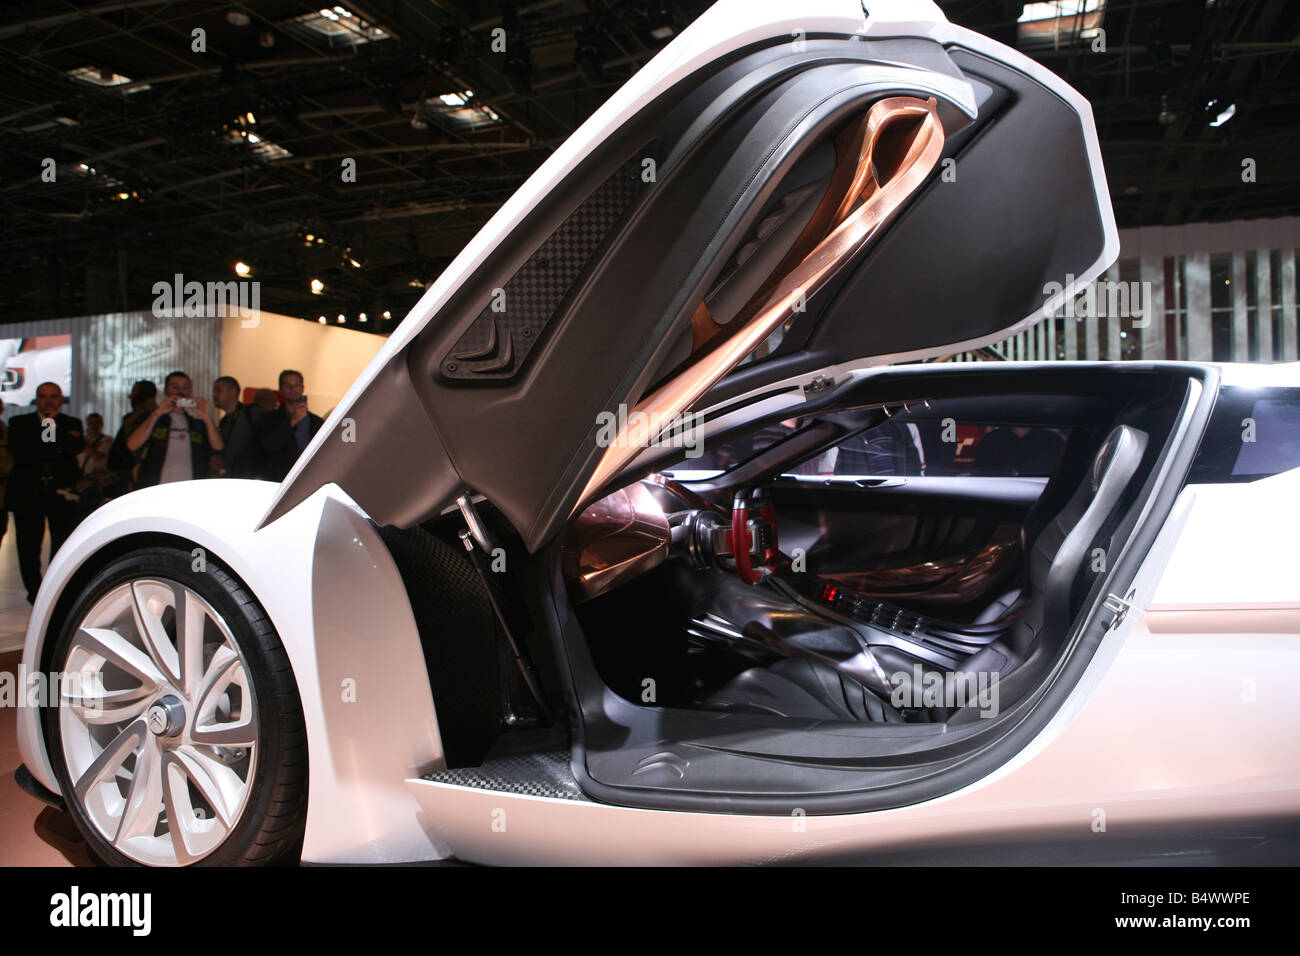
column 535, row 775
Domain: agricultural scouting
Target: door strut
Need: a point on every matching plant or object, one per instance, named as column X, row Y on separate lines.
column 476, row 533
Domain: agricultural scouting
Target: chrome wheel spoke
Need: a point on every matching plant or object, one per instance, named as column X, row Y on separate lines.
column 110, row 759
column 215, row 782
column 144, row 798
column 225, row 671
column 193, row 832
column 121, row 653
column 95, row 705
column 154, row 635
column 235, row 733
column 191, row 618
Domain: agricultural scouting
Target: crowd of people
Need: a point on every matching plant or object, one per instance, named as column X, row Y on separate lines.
column 53, row 473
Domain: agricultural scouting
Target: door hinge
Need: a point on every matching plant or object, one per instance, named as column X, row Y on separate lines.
column 1118, row 607
column 820, row 383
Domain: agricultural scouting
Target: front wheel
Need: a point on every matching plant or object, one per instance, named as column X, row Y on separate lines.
column 177, row 734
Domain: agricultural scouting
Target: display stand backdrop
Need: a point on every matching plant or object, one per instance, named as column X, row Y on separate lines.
column 96, row 358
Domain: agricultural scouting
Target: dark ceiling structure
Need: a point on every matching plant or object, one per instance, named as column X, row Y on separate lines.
column 345, row 153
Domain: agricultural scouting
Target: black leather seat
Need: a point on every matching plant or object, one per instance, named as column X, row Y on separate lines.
column 1059, row 567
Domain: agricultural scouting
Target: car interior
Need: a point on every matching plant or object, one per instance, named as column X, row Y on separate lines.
column 950, row 535
column 790, row 605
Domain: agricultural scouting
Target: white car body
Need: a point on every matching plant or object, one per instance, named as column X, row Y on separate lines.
column 1218, row 584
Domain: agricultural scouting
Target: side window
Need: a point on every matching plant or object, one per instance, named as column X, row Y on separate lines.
column 1251, row 435
column 932, row 449
column 725, row 455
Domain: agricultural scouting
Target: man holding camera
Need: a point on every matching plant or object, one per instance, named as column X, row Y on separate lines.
column 288, row 430
column 177, row 439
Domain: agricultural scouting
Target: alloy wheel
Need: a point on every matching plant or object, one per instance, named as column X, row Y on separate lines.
column 158, row 722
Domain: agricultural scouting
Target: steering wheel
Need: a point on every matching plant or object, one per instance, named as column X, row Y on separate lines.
column 751, row 508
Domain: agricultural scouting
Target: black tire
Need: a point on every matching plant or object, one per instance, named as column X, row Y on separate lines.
column 270, row 826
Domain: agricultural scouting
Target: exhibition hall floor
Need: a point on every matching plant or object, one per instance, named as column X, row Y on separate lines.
column 31, row 834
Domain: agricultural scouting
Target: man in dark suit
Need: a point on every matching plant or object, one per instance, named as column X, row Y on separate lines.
column 44, row 447
column 240, row 428
column 287, row 430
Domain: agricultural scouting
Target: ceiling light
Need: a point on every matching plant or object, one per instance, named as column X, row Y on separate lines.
column 1226, row 115
column 97, row 76
column 335, row 26
column 317, row 287
column 341, row 317
column 321, row 320
column 416, row 284
column 362, row 317
column 243, row 269
column 237, row 18
column 387, row 314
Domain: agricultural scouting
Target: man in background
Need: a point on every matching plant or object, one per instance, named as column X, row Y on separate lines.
column 177, row 440
column 288, row 430
column 44, row 446
column 240, row 427
column 121, row 460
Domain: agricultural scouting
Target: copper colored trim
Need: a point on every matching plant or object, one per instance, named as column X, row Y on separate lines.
column 618, row 537
column 846, row 185
column 800, row 284
column 952, row 580
column 703, row 328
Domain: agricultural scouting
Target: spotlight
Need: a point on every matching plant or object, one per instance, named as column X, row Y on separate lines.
column 317, row 287
column 387, row 314
column 243, row 269
column 321, row 320
column 341, row 319
column 362, row 317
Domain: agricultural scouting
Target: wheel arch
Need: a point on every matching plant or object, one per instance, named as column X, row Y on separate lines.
column 331, row 590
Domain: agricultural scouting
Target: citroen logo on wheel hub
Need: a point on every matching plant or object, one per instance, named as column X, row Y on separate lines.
column 166, row 717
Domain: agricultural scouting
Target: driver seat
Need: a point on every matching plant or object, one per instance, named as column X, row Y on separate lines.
column 1058, row 573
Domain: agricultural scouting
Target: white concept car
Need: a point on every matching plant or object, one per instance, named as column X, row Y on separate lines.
column 655, row 535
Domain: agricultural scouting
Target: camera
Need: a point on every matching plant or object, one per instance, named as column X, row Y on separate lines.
column 186, row 403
